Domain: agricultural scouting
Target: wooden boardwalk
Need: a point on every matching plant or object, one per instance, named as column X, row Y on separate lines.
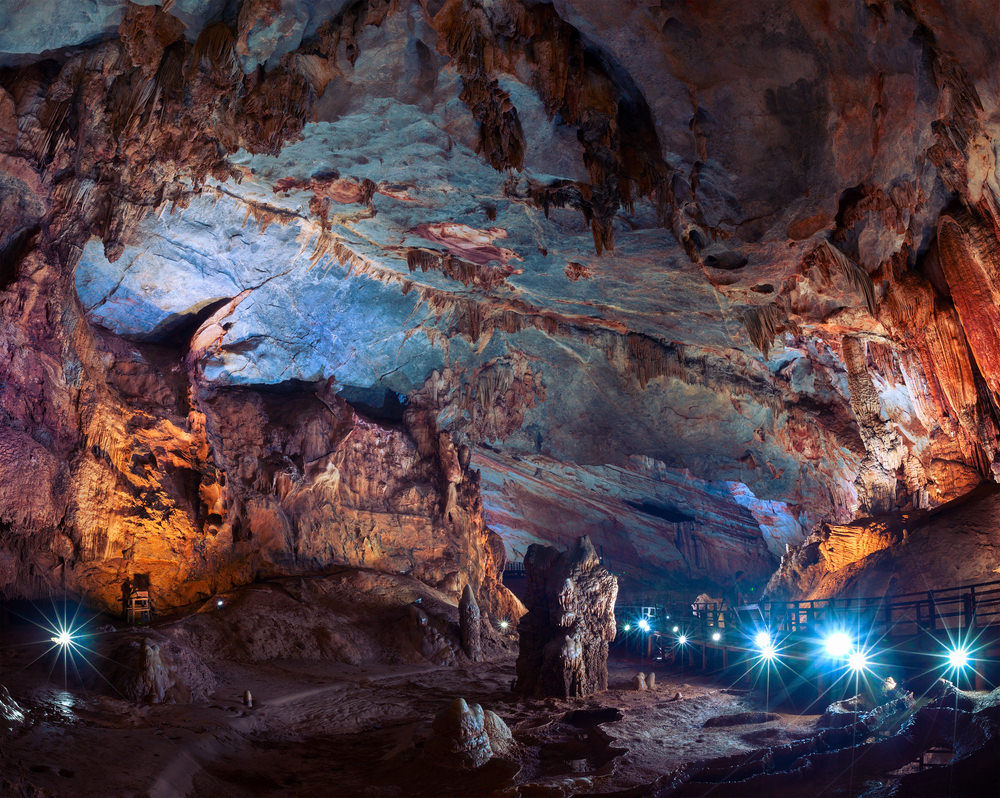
column 903, row 635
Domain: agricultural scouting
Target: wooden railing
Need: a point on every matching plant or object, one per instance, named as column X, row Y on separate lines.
column 956, row 608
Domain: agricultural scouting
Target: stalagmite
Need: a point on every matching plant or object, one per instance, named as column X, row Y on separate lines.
column 564, row 636
column 470, row 624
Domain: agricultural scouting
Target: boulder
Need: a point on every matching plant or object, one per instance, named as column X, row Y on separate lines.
column 563, row 644
column 460, row 740
column 501, row 740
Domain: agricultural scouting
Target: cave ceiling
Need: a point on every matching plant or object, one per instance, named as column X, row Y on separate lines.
column 690, row 278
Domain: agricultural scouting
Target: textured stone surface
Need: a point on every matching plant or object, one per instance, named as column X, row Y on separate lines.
column 151, row 668
column 459, row 740
column 954, row 545
column 564, row 636
column 705, row 276
column 470, row 623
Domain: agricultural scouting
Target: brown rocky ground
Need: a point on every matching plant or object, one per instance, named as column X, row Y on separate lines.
column 323, row 728
column 348, row 670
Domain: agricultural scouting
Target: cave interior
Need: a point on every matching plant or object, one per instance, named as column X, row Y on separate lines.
column 522, row 398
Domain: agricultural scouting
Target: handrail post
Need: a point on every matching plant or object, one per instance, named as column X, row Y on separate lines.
column 931, row 610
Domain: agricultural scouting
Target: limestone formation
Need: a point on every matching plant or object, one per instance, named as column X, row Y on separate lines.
column 153, row 669
column 470, row 625
column 564, row 637
column 12, row 715
column 651, row 681
column 639, row 681
column 501, row 739
column 459, row 738
column 692, row 307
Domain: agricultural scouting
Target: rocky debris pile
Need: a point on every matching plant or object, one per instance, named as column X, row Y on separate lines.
column 466, row 736
column 945, row 695
column 151, row 668
column 564, row 636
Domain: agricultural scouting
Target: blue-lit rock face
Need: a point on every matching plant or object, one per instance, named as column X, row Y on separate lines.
column 672, row 276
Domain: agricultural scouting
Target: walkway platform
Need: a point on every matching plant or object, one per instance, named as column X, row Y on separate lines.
column 904, row 636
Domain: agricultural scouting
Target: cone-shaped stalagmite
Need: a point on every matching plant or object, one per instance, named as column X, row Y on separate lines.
column 470, row 623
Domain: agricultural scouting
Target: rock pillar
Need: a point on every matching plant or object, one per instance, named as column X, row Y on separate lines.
column 470, row 625
column 570, row 621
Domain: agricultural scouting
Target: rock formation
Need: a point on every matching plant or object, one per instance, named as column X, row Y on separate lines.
column 459, row 739
column 470, row 624
column 11, row 713
column 151, row 668
column 690, row 306
column 564, row 636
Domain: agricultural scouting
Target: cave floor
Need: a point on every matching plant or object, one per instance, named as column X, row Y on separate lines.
column 323, row 728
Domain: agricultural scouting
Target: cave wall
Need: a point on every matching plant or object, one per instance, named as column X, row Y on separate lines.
column 690, row 280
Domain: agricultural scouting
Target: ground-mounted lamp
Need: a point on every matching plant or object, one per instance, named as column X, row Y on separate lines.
column 857, row 660
column 838, row 645
column 765, row 646
column 958, row 658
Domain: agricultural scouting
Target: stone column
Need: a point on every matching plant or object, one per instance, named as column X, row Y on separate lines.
column 564, row 637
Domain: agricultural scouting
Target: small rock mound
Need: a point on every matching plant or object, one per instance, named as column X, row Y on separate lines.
column 501, row 739
column 843, row 713
column 151, row 668
column 741, row 719
column 466, row 737
column 639, row 681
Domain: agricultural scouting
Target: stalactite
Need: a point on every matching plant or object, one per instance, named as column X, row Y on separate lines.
column 859, row 279
column 763, row 323
column 614, row 124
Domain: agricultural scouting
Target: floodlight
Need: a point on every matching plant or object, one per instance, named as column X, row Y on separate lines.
column 857, row 660
column 958, row 658
column 644, row 625
column 716, row 636
column 838, row 644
